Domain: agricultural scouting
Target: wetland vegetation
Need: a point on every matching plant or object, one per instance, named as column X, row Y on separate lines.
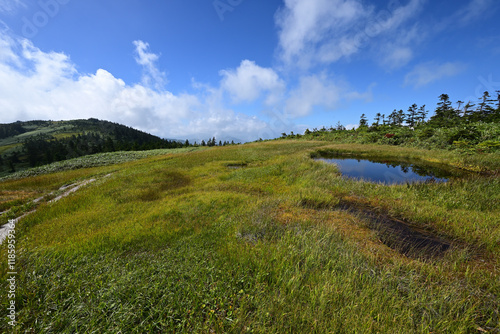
column 257, row 238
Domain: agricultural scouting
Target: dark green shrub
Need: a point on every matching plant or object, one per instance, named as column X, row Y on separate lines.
column 424, row 133
column 466, row 132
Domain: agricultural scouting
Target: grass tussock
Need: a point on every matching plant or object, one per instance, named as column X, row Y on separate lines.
column 252, row 238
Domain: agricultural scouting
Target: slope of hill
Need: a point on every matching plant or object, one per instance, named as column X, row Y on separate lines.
column 35, row 143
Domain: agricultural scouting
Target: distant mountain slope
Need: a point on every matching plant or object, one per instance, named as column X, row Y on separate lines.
column 35, row 143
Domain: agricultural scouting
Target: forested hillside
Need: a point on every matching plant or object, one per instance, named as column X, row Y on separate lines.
column 35, row 143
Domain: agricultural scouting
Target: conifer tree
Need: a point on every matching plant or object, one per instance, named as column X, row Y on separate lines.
column 411, row 116
column 363, row 122
column 421, row 115
column 468, row 111
column 445, row 114
column 377, row 119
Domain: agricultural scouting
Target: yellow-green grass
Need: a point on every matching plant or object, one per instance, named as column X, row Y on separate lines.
column 66, row 135
column 7, row 148
column 251, row 238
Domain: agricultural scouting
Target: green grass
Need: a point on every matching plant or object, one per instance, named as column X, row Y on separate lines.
column 8, row 148
column 33, row 131
column 95, row 160
column 251, row 238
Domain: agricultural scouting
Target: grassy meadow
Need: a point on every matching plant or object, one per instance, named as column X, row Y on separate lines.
column 252, row 239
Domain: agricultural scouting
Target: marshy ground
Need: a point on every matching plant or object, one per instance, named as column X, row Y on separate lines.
column 256, row 238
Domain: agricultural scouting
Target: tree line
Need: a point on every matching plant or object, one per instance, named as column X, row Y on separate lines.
column 469, row 125
column 445, row 114
column 98, row 137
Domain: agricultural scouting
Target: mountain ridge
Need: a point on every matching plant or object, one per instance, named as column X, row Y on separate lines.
column 25, row 144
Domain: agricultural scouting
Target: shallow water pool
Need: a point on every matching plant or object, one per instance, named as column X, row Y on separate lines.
column 392, row 171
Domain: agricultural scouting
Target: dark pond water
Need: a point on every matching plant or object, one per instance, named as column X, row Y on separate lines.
column 392, row 172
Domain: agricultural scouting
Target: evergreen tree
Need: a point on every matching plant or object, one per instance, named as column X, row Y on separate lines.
column 10, row 164
column 14, row 157
column 392, row 118
column 459, row 106
column 411, row 115
column 109, row 145
column 401, row 117
column 363, row 122
column 445, row 114
column 377, row 119
column 498, row 100
column 485, row 111
column 421, row 115
column 468, row 111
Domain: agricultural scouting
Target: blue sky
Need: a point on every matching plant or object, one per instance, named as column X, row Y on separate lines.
column 241, row 69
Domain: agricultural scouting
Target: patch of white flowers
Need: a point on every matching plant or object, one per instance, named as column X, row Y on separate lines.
column 95, row 160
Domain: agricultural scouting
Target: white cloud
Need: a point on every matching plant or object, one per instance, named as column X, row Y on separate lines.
column 474, row 10
column 396, row 53
column 426, row 73
column 249, row 81
column 9, row 6
column 152, row 76
column 396, row 57
column 7, row 55
column 324, row 31
column 318, row 91
column 45, row 85
column 306, row 23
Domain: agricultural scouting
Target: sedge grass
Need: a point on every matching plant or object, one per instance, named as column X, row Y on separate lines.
column 183, row 243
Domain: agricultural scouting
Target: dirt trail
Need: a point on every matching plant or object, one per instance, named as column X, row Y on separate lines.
column 68, row 190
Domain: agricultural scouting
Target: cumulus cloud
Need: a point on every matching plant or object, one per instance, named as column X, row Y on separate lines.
column 35, row 84
column 249, row 81
column 318, row 91
column 46, row 85
column 304, row 24
column 324, row 31
column 426, row 73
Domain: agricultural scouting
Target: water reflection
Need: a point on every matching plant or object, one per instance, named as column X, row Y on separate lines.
column 392, row 172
